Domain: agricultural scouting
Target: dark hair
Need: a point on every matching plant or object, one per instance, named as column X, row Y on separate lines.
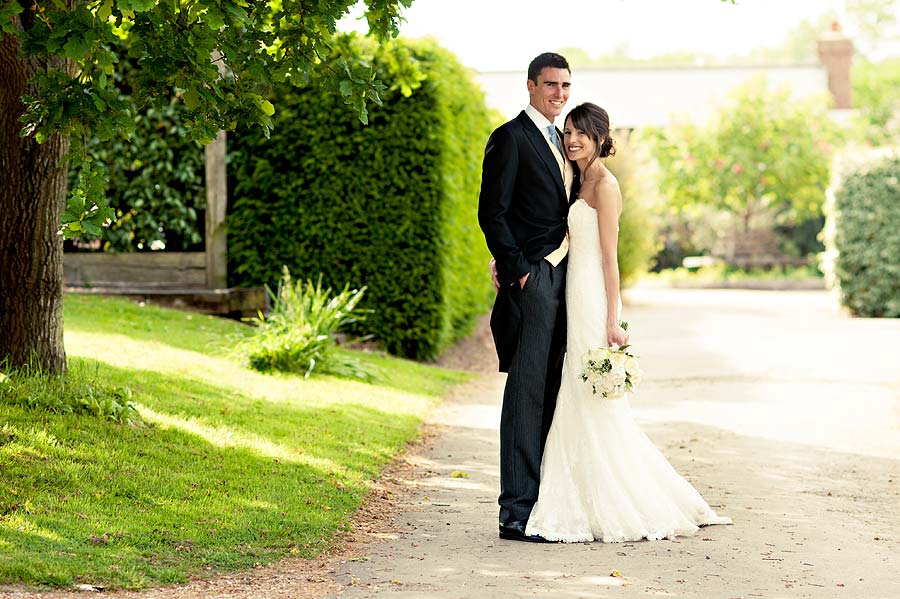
column 594, row 121
column 545, row 60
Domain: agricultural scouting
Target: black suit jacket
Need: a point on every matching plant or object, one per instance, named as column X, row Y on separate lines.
column 523, row 205
column 522, row 211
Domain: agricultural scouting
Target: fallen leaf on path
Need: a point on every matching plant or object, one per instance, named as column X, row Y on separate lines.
column 459, row 474
column 615, row 574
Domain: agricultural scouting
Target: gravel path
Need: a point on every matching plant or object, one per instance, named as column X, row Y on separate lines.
column 755, row 398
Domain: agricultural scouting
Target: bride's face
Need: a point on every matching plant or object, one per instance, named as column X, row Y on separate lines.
column 578, row 143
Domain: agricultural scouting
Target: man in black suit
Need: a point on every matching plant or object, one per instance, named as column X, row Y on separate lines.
column 525, row 193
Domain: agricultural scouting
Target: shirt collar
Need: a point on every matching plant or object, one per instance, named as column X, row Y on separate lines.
column 537, row 118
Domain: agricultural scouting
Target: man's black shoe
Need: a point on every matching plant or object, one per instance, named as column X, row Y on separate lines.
column 515, row 531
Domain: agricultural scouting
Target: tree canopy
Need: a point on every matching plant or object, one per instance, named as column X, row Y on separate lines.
column 217, row 56
column 763, row 155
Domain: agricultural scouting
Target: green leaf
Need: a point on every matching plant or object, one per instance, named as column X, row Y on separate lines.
column 267, row 107
column 191, row 98
column 142, row 5
column 237, row 12
column 91, row 229
column 76, row 48
column 214, row 18
column 105, row 10
column 7, row 12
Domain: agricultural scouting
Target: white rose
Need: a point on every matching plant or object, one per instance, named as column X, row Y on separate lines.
column 634, row 370
column 617, row 392
column 607, row 386
column 617, row 375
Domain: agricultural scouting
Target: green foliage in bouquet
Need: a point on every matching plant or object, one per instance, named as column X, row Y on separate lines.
column 298, row 335
column 391, row 203
column 862, row 248
column 78, row 391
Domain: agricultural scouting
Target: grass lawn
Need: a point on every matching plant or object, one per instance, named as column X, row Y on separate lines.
column 230, row 468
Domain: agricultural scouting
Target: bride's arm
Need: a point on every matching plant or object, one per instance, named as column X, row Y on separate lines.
column 608, row 200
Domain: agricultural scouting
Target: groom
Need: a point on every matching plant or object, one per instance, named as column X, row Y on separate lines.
column 525, row 190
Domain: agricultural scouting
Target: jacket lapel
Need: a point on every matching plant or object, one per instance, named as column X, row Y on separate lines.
column 539, row 142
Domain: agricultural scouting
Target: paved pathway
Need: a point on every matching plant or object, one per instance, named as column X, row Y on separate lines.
column 784, row 414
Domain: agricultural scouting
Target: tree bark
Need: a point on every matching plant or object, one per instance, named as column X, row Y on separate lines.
column 32, row 195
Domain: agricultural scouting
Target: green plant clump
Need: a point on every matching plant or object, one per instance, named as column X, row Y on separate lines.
column 298, row 334
column 391, row 204
column 79, row 391
column 862, row 248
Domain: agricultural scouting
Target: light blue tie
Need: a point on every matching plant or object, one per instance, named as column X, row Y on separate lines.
column 554, row 138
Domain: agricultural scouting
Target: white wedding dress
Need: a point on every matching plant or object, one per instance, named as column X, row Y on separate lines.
column 601, row 477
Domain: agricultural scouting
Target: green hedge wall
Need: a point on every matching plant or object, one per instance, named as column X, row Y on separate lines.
column 390, row 204
column 862, row 248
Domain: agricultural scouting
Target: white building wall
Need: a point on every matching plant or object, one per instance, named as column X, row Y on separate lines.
column 637, row 96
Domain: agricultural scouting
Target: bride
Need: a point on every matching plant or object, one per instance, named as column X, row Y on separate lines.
column 601, row 477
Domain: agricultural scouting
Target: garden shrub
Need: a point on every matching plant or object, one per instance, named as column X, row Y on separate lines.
column 637, row 229
column 390, row 205
column 156, row 180
column 298, row 333
column 862, row 248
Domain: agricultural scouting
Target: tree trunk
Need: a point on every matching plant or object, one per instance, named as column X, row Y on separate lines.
column 32, row 196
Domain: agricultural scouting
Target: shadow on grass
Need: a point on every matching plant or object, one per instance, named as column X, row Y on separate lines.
column 176, row 328
column 218, row 479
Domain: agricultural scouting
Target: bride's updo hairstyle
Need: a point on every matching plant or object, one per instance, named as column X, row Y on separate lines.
column 594, row 121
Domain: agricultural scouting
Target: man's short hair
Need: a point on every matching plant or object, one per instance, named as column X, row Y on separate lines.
column 547, row 59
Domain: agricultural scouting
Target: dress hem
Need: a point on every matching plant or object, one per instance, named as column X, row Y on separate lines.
column 644, row 536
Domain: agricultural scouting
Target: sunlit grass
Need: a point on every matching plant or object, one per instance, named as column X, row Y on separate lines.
column 229, row 467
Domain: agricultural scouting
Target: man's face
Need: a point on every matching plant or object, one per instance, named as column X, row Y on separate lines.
column 550, row 93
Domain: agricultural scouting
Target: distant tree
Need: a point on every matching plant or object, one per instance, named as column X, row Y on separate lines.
column 876, row 96
column 764, row 155
column 876, row 20
column 799, row 45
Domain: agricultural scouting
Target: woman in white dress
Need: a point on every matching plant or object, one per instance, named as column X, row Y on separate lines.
column 601, row 477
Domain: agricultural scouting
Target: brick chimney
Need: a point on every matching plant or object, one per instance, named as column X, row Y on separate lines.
column 836, row 54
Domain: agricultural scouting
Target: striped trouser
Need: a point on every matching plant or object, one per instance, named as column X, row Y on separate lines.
column 531, row 387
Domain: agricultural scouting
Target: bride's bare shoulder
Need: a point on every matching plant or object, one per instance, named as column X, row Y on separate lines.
column 598, row 190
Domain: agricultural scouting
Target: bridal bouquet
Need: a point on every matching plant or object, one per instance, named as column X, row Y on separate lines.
column 611, row 371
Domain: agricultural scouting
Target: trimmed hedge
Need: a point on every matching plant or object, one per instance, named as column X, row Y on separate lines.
column 862, row 248
column 390, row 205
